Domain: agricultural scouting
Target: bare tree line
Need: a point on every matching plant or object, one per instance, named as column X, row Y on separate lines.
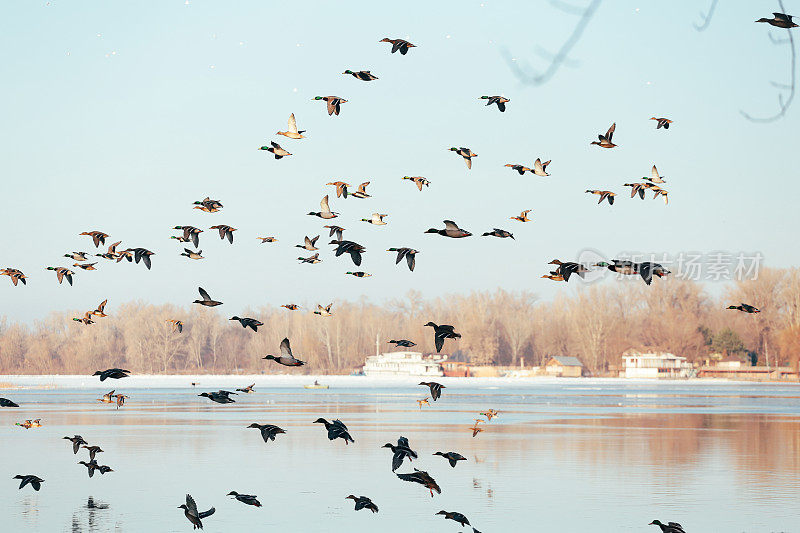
column 594, row 322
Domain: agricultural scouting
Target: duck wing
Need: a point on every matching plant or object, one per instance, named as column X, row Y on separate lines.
column 411, row 259
column 204, row 294
column 450, row 225
column 646, row 271
column 323, row 204
column 286, row 349
column 292, row 124
column 610, row 132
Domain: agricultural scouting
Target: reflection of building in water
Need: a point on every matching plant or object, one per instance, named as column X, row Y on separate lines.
column 404, row 364
column 565, row 366
column 654, row 365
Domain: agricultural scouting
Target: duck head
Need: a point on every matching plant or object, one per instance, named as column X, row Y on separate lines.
column 348, row 71
column 431, row 324
column 320, row 421
column 269, row 357
column 234, row 317
column 351, row 497
column 253, row 425
column 232, row 493
column 432, row 230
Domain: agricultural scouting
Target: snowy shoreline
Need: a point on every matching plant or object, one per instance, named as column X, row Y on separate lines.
column 338, row 381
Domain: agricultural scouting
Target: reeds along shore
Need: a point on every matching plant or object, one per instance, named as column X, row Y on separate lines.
column 594, row 322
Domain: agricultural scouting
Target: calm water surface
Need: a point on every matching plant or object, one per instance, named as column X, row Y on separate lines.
column 563, row 456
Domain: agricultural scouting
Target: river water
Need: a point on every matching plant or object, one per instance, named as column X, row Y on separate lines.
column 564, row 455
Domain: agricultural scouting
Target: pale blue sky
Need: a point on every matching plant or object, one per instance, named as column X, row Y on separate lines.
column 114, row 119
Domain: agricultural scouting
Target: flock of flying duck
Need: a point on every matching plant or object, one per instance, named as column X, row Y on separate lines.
column 336, row 429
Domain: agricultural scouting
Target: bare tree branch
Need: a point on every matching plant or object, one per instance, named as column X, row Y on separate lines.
column 706, row 17
column 530, row 77
column 783, row 103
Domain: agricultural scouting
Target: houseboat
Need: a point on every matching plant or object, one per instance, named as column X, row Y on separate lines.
column 404, row 364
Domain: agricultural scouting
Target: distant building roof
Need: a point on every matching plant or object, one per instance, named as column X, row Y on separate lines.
column 567, row 360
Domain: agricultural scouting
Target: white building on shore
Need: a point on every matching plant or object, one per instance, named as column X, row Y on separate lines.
column 654, row 365
column 404, row 364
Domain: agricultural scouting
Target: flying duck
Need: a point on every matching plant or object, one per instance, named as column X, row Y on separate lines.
column 112, row 373
column 519, row 168
column 523, row 217
column 268, row 431
column 86, row 319
column 466, row 153
column 353, row 248
column 334, row 103
column 359, row 274
column 451, row 230
column 745, row 308
column 436, row 389
column 291, row 307
column 177, row 325
column 221, row 396
column 29, row 479
column 224, row 231
column 15, row 275
column 637, row 188
column 100, row 309
column 251, row 323
column 98, row 237
column 361, row 192
column 111, row 253
column 193, row 255
column 646, row 269
column 106, row 397
column 491, row 413
column 604, row 195
column 206, row 301
column 400, row 452
column 402, row 343
column 475, row 429
column 422, row 402
column 419, row 181
column 336, row 430
column 376, row 219
column 501, row 101
column 190, row 233
column 662, row 122
column 605, row 140
column 62, row 273
column 267, row 239
column 539, row 168
column 341, row 188
column 452, row 457
column 76, row 441
column 335, row 230
column 363, row 75
column 77, row 256
column 248, row 499
column 286, row 358
column 669, row 527
column 497, row 232
column 779, row 20
column 423, row 478
column 440, row 333
column 566, row 269
column 324, row 311
column 325, row 211
column 409, row 253
column 191, row 513
column 398, row 44
column 248, row 389
column 314, row 259
column 658, row 191
column 455, row 517
column 93, row 451
column 208, row 205
column 275, row 149
column 5, row 402
column 654, row 177
column 308, row 244
column 292, row 132
column 120, row 399
column 362, row 502
column 85, row 266
column 92, row 466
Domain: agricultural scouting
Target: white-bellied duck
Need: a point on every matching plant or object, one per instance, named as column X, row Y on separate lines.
column 292, row 132
column 324, row 310
column 359, row 274
column 325, row 210
column 192, row 255
column 192, row 514
column 452, row 457
column 440, row 333
column 423, row 478
column 604, row 195
column 336, row 430
column 376, row 219
column 313, row 259
column 361, row 191
column 308, row 244
column 276, row 150
column 539, row 168
column 419, row 181
column 362, row 502
column 268, row 431
column 286, row 358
